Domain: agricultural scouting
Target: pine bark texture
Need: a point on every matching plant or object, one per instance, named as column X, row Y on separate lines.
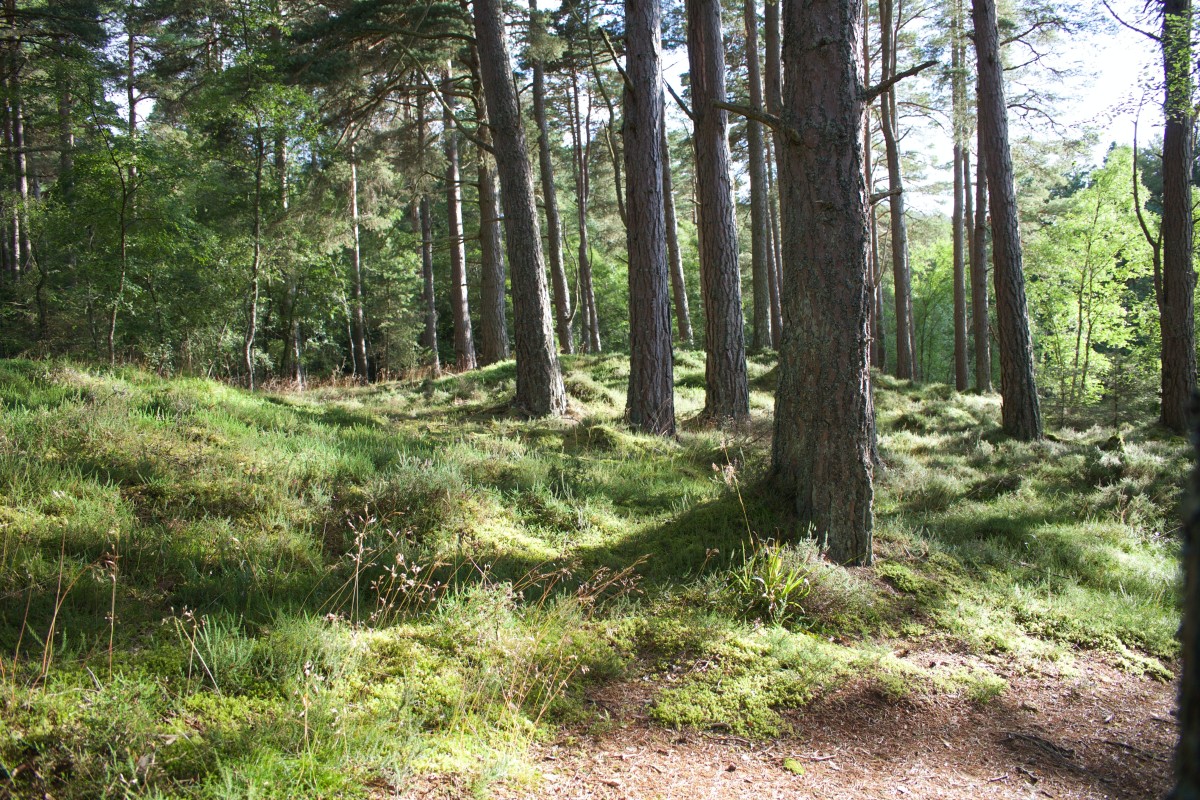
column 823, row 447
column 358, row 320
column 980, row 325
column 1020, row 410
column 727, row 392
column 1176, row 305
column 422, row 224
column 558, row 273
column 493, row 316
column 898, row 229
column 540, row 389
column 464, row 339
column 683, row 315
column 760, row 215
column 961, row 372
column 650, row 402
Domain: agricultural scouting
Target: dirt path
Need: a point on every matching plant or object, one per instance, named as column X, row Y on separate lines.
column 1098, row 734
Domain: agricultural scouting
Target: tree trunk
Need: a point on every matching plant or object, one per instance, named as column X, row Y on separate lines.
column 493, row 313
column 464, row 340
column 1176, row 310
column 1020, row 409
column 959, row 122
column 683, row 317
column 358, row 321
column 824, row 422
column 979, row 278
column 898, row 233
column 558, row 273
column 539, row 382
column 431, row 338
column 773, row 85
column 960, row 277
column 423, row 226
column 874, row 269
column 760, row 217
column 255, row 264
column 726, row 391
column 582, row 156
column 774, row 261
column 650, row 402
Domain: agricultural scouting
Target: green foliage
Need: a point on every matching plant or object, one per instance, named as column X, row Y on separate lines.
column 768, row 584
column 1090, row 288
column 346, row 586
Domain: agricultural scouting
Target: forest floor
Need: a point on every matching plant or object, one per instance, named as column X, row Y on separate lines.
column 403, row 591
column 1094, row 732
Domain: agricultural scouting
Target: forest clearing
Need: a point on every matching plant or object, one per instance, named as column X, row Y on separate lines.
column 404, row 590
column 607, row 399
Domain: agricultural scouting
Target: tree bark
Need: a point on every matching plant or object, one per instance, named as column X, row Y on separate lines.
column 255, row 264
column 464, row 340
column 581, row 153
column 958, row 119
column 540, row 389
column 1176, row 309
column 650, row 402
column 773, row 86
column 1020, row 409
column 422, row 225
column 774, row 266
column 493, row 314
column 898, row 233
column 824, row 422
column 979, row 278
column 558, row 273
column 358, row 321
column 683, row 317
column 727, row 393
column 760, row 236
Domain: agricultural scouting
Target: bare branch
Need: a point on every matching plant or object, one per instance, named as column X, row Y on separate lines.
column 870, row 93
column 682, row 103
column 1125, row 24
column 770, row 120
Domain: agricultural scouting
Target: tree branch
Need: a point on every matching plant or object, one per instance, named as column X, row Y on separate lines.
column 1133, row 28
column 682, row 104
column 770, row 120
column 879, row 197
column 871, row 92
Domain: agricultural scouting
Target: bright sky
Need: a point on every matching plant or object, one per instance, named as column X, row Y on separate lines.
column 1114, row 70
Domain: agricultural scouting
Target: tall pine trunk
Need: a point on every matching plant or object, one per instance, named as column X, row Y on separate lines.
column 726, row 391
column 823, row 449
column 493, row 312
column 464, row 340
column 540, row 389
column 650, row 402
column 683, row 317
column 558, row 273
column 358, row 321
column 1020, row 409
column 760, row 215
column 255, row 263
column 980, row 326
column 898, row 229
column 958, row 224
column 581, row 155
column 1176, row 304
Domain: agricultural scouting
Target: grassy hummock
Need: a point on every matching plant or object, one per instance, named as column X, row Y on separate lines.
column 211, row 593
